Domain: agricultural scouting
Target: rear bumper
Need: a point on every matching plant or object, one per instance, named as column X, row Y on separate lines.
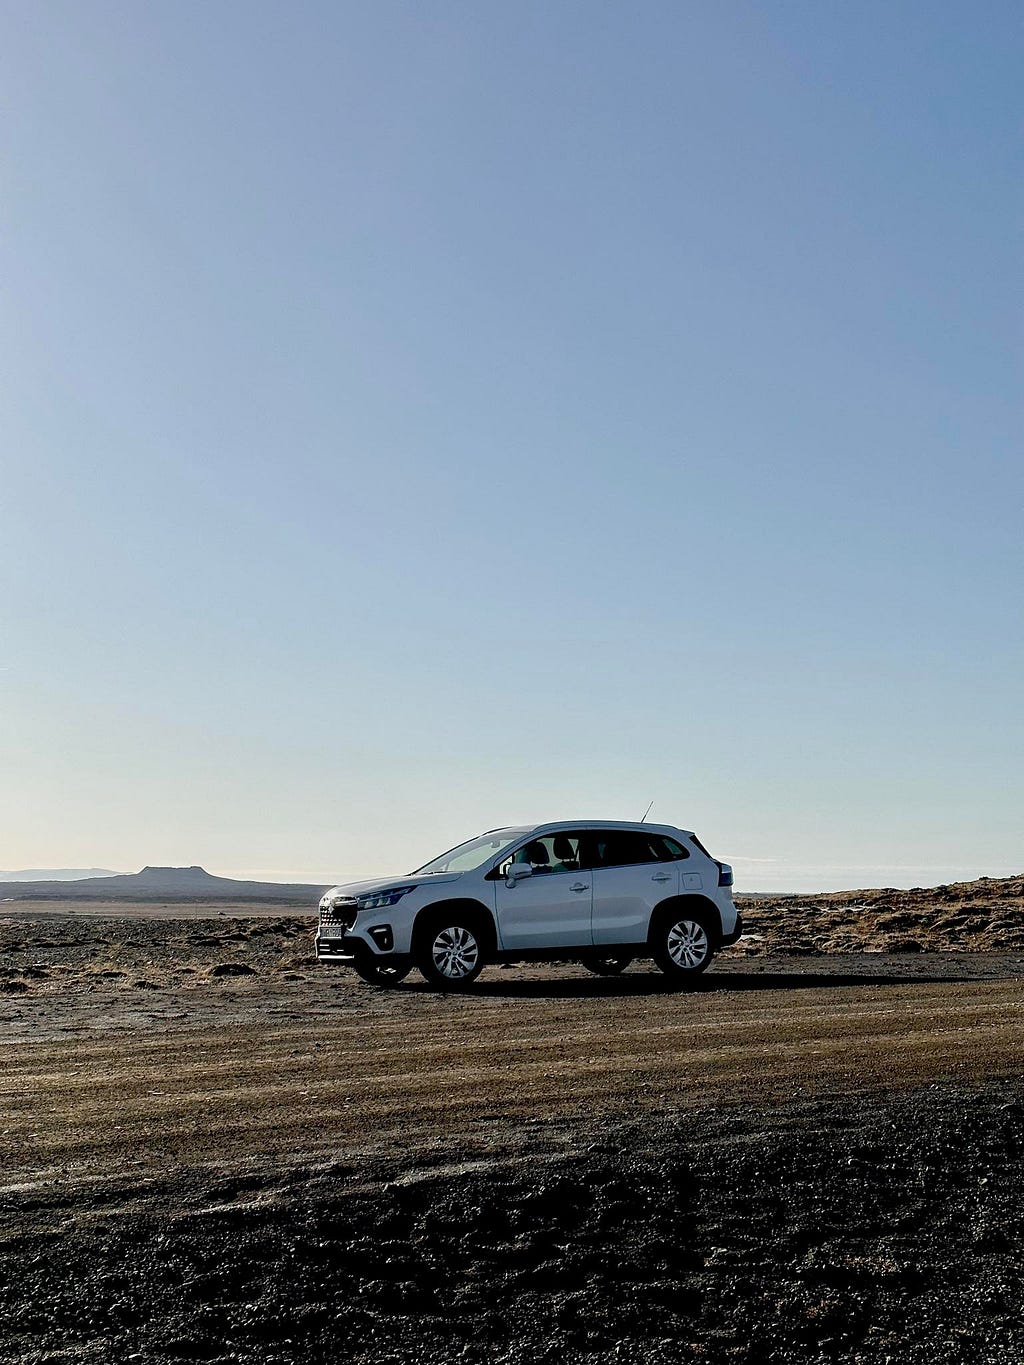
column 736, row 934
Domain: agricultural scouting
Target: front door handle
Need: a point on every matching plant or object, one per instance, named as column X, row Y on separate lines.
column 661, row 877
column 580, row 886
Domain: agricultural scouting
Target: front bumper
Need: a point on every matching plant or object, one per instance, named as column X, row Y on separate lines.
column 332, row 946
column 347, row 948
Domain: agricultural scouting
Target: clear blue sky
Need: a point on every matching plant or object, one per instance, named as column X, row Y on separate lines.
column 423, row 417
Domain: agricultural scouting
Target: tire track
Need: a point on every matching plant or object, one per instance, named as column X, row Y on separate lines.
column 434, row 1069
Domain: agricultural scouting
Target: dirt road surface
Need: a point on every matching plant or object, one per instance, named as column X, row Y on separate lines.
column 407, row 1068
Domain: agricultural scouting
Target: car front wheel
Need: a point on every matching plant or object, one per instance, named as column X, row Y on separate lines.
column 450, row 954
column 682, row 947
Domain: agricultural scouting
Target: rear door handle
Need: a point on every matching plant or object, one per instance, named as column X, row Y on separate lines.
column 580, row 886
column 661, row 877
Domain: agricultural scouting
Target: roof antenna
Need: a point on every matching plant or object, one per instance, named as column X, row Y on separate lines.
column 646, row 813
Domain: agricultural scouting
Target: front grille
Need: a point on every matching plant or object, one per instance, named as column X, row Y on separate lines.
column 339, row 917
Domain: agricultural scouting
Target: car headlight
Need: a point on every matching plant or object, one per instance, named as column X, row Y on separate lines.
column 374, row 900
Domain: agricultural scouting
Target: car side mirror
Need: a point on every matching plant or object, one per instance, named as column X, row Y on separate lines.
column 517, row 871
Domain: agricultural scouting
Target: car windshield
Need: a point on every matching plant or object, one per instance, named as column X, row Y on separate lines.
column 473, row 853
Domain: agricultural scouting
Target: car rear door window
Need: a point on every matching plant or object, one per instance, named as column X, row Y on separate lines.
column 629, row 848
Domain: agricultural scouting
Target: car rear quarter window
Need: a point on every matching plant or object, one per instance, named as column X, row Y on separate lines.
column 673, row 850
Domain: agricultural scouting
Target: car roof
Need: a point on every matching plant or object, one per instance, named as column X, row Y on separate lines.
column 552, row 826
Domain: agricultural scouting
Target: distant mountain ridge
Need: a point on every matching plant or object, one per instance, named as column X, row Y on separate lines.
column 56, row 874
column 161, row 883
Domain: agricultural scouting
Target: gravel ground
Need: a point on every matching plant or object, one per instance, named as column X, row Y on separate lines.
column 211, row 1149
column 890, row 1230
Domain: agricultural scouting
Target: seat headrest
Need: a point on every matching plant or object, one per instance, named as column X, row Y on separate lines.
column 536, row 853
column 563, row 848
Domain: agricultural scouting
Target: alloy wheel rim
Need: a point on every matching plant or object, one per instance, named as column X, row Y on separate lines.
column 455, row 952
column 687, row 943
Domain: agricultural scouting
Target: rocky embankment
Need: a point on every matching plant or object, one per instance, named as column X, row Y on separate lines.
column 984, row 916
column 54, row 954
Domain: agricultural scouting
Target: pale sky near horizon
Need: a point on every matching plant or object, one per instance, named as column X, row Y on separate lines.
column 426, row 417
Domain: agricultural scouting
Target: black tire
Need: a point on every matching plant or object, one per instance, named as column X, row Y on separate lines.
column 682, row 946
column 607, row 966
column 381, row 973
column 450, row 950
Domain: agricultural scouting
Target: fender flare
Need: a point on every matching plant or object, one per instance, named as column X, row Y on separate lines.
column 700, row 908
column 465, row 905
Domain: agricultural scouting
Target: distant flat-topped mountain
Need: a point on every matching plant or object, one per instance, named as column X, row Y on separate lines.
column 161, row 883
column 56, row 874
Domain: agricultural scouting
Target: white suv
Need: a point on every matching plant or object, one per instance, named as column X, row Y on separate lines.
column 599, row 892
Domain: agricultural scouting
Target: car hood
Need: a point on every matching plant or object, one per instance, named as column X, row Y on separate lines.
column 385, row 883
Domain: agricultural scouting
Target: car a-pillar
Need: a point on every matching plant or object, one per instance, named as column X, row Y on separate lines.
column 684, row 933
column 453, row 942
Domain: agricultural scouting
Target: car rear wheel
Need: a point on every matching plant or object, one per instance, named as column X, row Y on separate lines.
column 450, row 954
column 607, row 966
column 682, row 947
column 381, row 973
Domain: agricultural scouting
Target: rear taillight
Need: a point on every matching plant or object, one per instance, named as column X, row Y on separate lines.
column 724, row 874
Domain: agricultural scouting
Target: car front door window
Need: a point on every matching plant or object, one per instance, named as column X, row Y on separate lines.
column 549, row 853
